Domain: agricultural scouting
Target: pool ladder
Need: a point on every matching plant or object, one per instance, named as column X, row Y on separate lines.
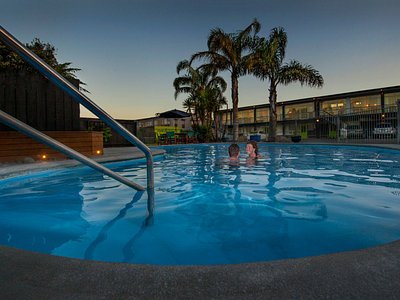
column 62, row 83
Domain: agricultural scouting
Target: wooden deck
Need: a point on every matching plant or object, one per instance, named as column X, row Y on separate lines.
column 15, row 146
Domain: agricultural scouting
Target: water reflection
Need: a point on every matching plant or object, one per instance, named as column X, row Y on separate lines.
column 128, row 249
column 41, row 216
column 102, row 236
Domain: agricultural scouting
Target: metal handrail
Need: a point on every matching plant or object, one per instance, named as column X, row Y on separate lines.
column 398, row 121
column 41, row 137
column 69, row 88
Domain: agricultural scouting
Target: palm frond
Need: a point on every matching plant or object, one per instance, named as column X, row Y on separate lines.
column 254, row 27
column 182, row 65
column 305, row 74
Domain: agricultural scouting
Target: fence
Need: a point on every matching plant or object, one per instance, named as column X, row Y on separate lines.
column 371, row 126
column 111, row 138
column 34, row 100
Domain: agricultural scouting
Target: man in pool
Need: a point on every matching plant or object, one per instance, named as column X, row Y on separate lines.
column 234, row 152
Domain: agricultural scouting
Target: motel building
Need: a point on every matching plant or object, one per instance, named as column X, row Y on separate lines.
column 332, row 116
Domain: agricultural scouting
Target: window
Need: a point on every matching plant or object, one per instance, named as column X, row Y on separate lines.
column 299, row 111
column 391, row 99
column 365, row 103
column 226, row 118
column 333, row 107
column 262, row 115
column 246, row 116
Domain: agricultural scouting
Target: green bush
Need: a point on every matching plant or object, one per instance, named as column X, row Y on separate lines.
column 203, row 133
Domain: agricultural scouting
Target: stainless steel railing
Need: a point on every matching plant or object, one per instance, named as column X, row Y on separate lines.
column 41, row 137
column 65, row 85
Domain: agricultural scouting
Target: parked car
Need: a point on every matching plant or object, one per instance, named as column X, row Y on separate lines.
column 352, row 131
column 384, row 129
column 355, row 132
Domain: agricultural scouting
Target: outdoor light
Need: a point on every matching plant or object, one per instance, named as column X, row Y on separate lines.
column 383, row 115
column 317, row 120
column 98, row 152
column 44, row 156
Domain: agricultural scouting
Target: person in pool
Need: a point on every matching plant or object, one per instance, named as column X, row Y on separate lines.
column 252, row 150
column 234, row 152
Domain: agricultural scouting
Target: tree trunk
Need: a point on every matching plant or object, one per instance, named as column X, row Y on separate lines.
column 235, row 107
column 226, row 122
column 191, row 117
column 216, row 121
column 272, row 113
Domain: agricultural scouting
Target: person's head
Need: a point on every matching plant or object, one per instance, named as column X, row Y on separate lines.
column 234, row 151
column 252, row 149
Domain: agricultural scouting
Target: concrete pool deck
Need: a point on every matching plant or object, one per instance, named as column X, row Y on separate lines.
column 110, row 155
column 371, row 273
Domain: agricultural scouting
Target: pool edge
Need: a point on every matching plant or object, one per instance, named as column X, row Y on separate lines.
column 363, row 274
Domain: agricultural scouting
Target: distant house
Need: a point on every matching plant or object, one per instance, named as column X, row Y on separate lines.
column 149, row 129
column 146, row 129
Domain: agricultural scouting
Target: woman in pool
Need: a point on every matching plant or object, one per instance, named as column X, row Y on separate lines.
column 252, row 150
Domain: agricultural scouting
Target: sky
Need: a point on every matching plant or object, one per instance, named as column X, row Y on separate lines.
column 128, row 50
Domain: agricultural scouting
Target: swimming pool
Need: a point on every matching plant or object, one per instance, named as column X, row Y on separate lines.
column 297, row 201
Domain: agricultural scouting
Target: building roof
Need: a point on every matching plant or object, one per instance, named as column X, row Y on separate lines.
column 174, row 114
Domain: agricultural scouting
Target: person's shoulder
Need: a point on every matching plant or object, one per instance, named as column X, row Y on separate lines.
column 234, row 160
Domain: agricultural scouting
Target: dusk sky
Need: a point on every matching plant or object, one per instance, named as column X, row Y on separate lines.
column 128, row 49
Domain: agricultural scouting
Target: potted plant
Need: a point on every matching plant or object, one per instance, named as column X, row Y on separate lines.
column 296, row 138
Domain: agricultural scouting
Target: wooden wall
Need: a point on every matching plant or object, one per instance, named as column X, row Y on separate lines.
column 15, row 146
column 34, row 100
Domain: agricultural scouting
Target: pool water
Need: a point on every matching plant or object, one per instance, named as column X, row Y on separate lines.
column 298, row 200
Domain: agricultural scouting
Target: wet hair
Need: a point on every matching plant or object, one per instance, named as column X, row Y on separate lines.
column 255, row 146
column 233, row 150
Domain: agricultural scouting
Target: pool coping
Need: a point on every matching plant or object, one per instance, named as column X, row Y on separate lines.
column 369, row 273
column 110, row 155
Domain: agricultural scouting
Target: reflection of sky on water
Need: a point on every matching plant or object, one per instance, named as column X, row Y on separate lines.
column 41, row 213
column 294, row 202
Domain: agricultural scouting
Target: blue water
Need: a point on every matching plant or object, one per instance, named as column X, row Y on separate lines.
column 296, row 201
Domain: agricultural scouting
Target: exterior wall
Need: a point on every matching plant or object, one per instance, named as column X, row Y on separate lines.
column 149, row 129
column 182, row 123
column 15, row 146
column 34, row 100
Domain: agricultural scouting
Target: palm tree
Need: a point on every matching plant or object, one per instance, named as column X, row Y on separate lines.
column 268, row 65
column 185, row 84
column 215, row 101
column 230, row 52
column 205, row 92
